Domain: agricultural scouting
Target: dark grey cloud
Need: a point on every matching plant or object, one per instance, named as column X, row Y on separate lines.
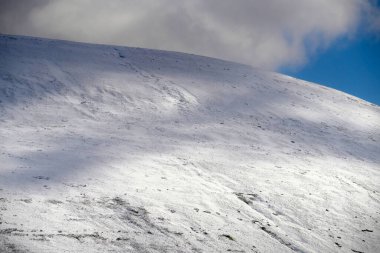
column 14, row 13
column 267, row 34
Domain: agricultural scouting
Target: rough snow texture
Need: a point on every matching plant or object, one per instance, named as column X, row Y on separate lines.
column 116, row 149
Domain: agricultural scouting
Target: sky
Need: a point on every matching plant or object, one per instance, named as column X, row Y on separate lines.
column 333, row 42
column 352, row 66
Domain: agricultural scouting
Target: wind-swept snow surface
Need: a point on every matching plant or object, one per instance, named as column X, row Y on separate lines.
column 115, row 149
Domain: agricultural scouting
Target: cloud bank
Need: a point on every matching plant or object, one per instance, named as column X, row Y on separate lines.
column 266, row 34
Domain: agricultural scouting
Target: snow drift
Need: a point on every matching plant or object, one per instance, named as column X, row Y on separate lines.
column 116, row 149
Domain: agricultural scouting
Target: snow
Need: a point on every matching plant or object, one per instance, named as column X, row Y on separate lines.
column 117, row 149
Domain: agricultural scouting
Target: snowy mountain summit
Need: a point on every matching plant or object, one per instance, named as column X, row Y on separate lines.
column 116, row 149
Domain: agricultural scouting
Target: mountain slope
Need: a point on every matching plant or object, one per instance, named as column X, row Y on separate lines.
column 115, row 149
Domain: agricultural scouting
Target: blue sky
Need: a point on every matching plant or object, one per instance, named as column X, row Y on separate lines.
column 349, row 65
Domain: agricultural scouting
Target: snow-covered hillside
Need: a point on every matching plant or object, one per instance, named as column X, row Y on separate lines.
column 116, row 149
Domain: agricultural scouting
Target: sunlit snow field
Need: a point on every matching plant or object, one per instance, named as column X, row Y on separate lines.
column 116, row 149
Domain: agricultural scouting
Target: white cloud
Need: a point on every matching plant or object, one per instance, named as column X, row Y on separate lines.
column 267, row 34
column 373, row 18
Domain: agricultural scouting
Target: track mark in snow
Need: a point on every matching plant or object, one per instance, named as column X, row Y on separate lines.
column 356, row 251
column 169, row 89
column 248, row 199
